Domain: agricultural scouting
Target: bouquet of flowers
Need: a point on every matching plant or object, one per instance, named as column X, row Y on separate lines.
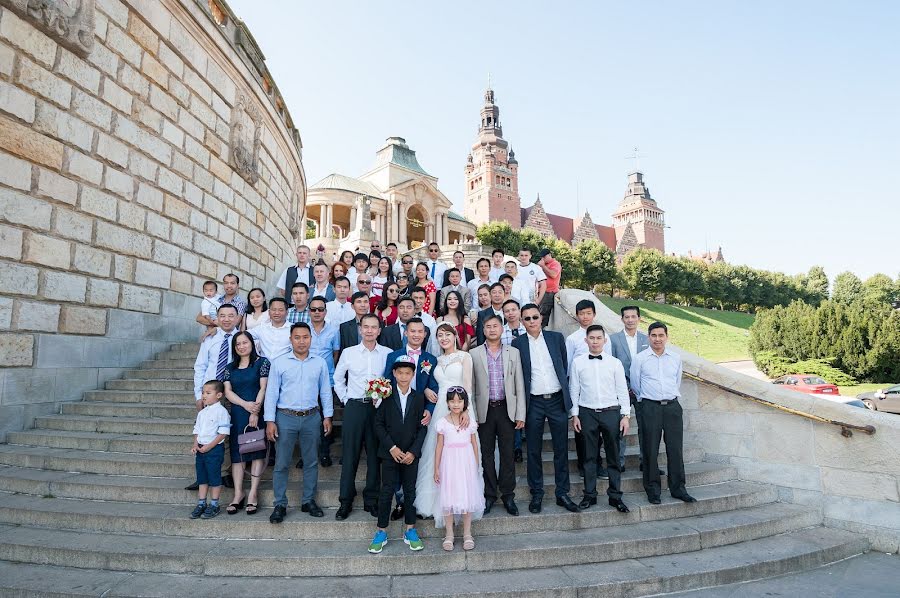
column 378, row 389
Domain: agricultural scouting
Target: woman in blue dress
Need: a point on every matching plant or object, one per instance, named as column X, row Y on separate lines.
column 245, row 388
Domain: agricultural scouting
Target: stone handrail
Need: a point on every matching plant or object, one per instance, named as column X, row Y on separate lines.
column 855, row 483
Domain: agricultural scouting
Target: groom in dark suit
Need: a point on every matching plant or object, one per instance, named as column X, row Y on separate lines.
column 424, row 380
column 401, row 434
column 545, row 369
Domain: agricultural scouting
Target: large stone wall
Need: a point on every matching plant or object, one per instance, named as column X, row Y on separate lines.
column 143, row 149
column 853, row 481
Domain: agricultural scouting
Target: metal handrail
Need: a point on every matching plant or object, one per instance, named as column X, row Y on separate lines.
column 846, row 429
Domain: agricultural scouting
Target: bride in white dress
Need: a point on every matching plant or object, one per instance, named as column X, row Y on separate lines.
column 454, row 368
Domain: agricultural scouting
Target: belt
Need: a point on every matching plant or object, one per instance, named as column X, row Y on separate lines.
column 614, row 408
column 296, row 413
column 660, row 402
column 548, row 396
column 360, row 400
column 496, row 403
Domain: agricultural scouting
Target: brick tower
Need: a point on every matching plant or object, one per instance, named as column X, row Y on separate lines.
column 492, row 172
column 639, row 211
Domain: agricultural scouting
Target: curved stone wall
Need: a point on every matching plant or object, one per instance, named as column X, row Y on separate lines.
column 144, row 148
column 854, row 482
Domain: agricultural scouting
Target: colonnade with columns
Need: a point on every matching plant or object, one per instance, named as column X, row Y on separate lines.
column 389, row 222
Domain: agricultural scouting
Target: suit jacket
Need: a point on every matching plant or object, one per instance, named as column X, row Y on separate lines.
column 349, row 333
column 329, row 295
column 619, row 348
column 513, row 382
column 467, row 275
column 391, row 338
column 479, row 324
column 424, row 374
column 392, row 428
column 556, row 346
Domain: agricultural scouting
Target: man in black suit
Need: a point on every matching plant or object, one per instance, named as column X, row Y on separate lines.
column 394, row 336
column 349, row 331
column 459, row 262
column 545, row 368
column 401, row 434
column 498, row 296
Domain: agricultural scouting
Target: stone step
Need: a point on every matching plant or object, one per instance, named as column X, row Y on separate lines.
column 170, row 490
column 167, row 385
column 184, row 412
column 190, row 347
column 746, row 561
column 168, row 364
column 182, row 466
column 116, row 425
column 338, row 558
column 160, row 374
column 177, row 354
column 184, row 399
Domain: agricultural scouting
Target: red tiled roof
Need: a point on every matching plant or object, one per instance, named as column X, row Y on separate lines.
column 564, row 228
column 607, row 235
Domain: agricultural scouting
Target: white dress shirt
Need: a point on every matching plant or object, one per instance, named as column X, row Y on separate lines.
column 208, row 359
column 631, row 339
column 212, row 421
column 337, row 313
column 356, row 368
column 656, row 377
column 272, row 342
column 521, row 293
column 576, row 346
column 473, row 286
column 496, row 273
column 439, row 269
column 543, row 375
column 598, row 383
column 403, row 399
column 302, row 275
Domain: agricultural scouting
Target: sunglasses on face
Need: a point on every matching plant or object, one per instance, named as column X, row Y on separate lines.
column 363, row 282
column 407, row 263
column 531, row 318
column 317, row 309
column 393, row 290
column 402, row 278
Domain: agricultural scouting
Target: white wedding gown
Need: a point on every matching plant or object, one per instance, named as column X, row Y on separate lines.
column 451, row 370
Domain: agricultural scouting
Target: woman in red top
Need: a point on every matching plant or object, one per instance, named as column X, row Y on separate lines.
column 424, row 282
column 386, row 309
column 454, row 313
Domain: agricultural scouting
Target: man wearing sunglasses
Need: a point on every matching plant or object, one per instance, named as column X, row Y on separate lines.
column 545, row 369
column 436, row 268
column 326, row 344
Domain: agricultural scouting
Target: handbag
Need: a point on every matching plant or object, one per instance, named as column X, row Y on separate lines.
column 250, row 442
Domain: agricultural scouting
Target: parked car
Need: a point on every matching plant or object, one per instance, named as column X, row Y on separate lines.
column 845, row 400
column 886, row 399
column 807, row 383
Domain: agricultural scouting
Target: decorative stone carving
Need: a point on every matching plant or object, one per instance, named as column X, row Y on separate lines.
column 297, row 208
column 628, row 241
column 363, row 214
column 246, row 134
column 585, row 230
column 70, row 22
column 538, row 220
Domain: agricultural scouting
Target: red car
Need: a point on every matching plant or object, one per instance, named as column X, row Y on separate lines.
column 807, row 383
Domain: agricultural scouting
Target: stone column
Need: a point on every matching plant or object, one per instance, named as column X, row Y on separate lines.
column 352, row 220
column 329, row 219
column 401, row 224
column 445, row 232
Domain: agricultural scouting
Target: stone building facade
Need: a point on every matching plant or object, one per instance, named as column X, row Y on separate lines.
column 142, row 152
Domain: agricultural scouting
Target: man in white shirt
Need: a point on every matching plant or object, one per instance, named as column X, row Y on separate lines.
column 454, row 277
column 514, row 288
column 600, row 407
column 436, row 268
column 302, row 272
column 273, row 338
column 497, row 265
column 215, row 352
column 340, row 310
column 357, row 366
column 419, row 297
column 513, row 328
column 532, row 276
column 392, row 254
column 483, row 276
column 459, row 262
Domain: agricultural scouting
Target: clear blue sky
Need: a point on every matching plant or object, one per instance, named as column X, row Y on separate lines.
column 771, row 128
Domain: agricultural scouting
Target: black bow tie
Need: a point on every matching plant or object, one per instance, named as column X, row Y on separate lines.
column 595, row 357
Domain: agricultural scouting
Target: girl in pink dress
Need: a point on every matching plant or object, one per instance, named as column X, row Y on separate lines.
column 456, row 470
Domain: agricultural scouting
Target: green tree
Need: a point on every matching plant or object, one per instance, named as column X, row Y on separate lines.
column 847, row 288
column 500, row 235
column 598, row 264
column 816, row 284
column 642, row 270
column 879, row 288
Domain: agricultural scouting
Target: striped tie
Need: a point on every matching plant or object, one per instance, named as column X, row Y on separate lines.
column 223, row 358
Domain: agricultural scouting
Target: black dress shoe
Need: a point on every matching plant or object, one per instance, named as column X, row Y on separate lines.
column 489, row 504
column 581, row 471
column 587, row 502
column 567, row 503
column 511, row 507
column 685, row 497
column 194, row 486
column 325, row 461
column 397, row 513
column 312, row 508
column 278, row 514
column 371, row 510
column 518, row 455
column 344, row 511
column 619, row 505
column 535, row 505
column 228, row 481
column 654, row 500
column 300, row 464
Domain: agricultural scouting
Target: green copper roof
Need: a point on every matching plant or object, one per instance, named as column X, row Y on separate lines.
column 346, row 183
column 454, row 216
column 395, row 151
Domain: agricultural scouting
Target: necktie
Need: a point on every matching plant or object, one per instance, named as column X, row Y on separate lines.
column 433, row 266
column 515, row 332
column 595, row 357
column 414, row 352
column 223, row 358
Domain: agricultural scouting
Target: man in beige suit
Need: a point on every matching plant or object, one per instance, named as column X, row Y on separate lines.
column 500, row 404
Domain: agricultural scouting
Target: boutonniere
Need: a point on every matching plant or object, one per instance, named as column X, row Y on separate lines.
column 426, row 366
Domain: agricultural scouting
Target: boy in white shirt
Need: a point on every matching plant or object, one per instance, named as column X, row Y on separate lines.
column 209, row 305
column 210, row 431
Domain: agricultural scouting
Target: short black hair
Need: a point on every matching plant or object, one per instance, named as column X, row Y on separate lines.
column 498, row 285
column 528, row 306
column 513, row 262
column 301, row 325
column 217, row 384
column 391, row 244
column 486, row 286
column 406, row 298
column 496, row 251
column 459, row 252
column 368, row 316
column 630, row 307
column 224, row 305
column 342, row 279
column 300, row 284
column 521, row 249
column 418, row 290
column 658, row 325
column 210, row 282
column 237, row 279
column 505, row 276
column 585, row 304
column 357, row 295
column 482, row 259
column 594, row 328
column 318, row 298
column 493, row 317
column 434, row 243
column 508, row 301
column 278, row 300
column 454, row 269
column 416, row 320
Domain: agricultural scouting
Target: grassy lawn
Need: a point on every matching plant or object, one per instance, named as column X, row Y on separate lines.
column 852, row 391
column 712, row 334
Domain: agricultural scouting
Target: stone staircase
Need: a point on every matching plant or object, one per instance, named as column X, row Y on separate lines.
column 92, row 503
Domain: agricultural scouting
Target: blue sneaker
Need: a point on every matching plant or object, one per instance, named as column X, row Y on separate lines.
column 411, row 537
column 378, row 542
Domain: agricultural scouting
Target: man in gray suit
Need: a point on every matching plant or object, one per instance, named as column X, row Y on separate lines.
column 500, row 404
column 625, row 345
